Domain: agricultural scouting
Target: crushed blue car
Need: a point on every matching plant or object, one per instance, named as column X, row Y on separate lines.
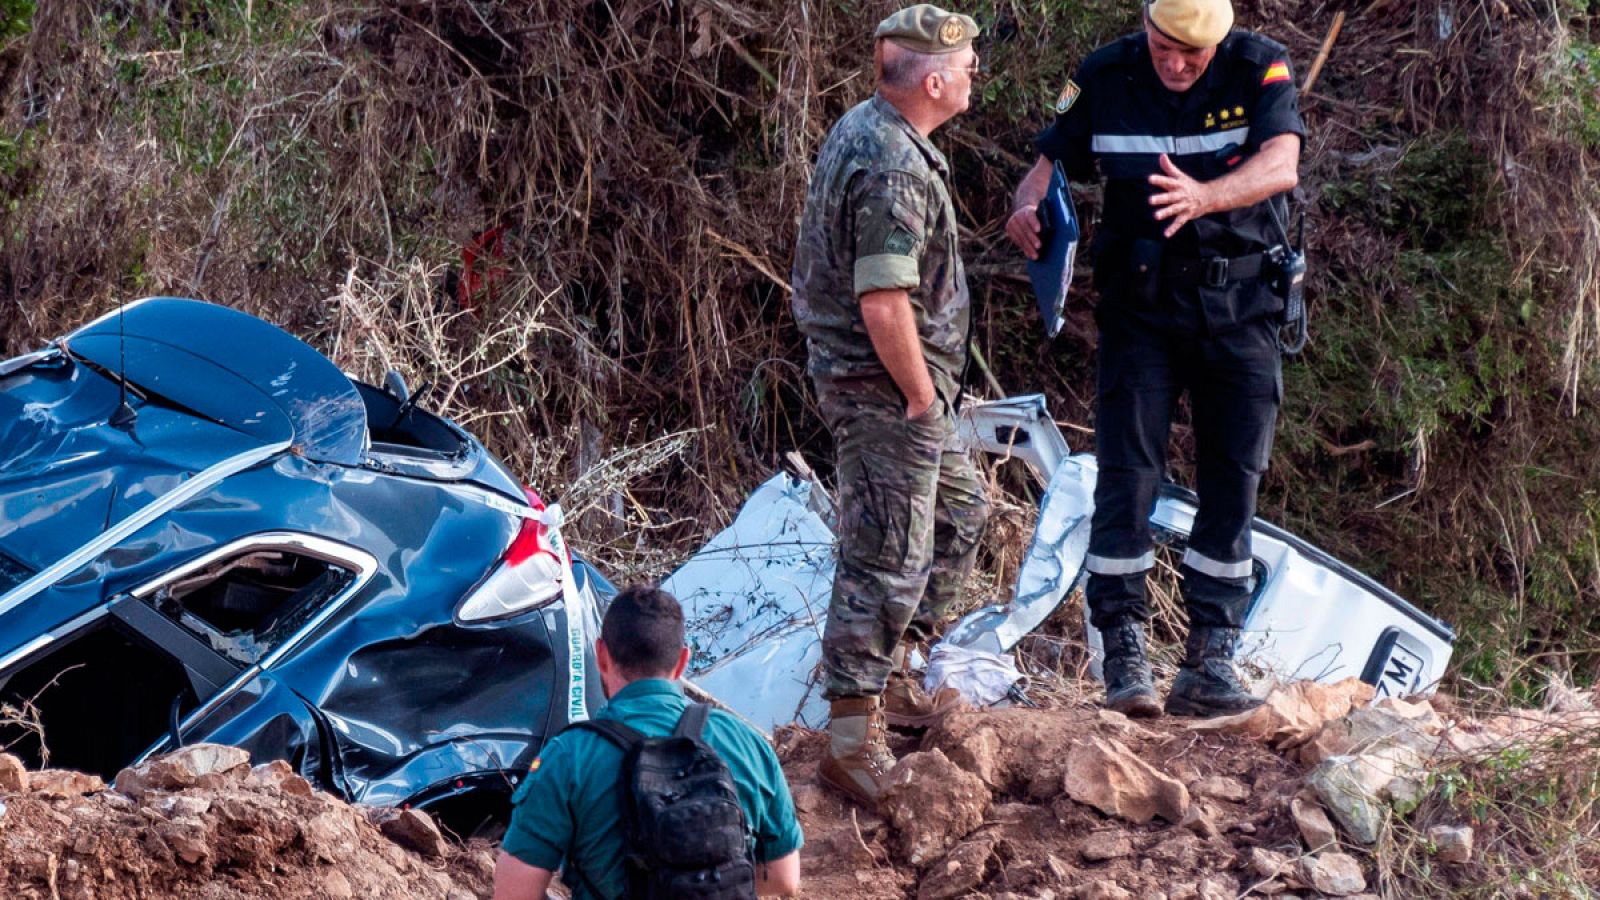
column 209, row 532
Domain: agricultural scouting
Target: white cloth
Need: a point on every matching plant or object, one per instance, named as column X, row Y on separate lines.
column 983, row 678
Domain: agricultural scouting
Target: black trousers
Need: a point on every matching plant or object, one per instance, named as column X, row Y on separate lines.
column 1235, row 385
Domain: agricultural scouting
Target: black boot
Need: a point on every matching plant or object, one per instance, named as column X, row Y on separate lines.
column 1207, row 684
column 1130, row 688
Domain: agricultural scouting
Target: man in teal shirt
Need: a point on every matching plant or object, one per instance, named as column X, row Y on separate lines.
column 566, row 814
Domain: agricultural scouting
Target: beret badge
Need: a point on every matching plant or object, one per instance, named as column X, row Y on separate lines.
column 951, row 32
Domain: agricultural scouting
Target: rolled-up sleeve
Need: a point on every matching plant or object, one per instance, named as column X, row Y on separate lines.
column 889, row 212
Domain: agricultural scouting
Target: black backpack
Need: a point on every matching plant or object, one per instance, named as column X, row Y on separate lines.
column 684, row 833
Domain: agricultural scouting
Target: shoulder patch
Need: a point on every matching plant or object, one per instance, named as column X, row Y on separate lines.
column 1068, row 96
column 1278, row 71
column 899, row 242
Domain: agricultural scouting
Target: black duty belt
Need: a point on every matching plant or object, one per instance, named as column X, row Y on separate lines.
column 1213, row 271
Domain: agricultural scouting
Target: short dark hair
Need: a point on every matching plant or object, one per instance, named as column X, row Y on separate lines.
column 643, row 631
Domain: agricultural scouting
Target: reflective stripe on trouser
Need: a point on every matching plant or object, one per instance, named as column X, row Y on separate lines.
column 1235, row 386
column 911, row 511
column 1111, row 565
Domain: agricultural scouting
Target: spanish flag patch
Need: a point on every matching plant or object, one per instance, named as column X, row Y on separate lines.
column 1278, row 71
column 1067, row 97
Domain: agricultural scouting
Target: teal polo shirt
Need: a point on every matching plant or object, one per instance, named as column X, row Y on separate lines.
column 567, row 811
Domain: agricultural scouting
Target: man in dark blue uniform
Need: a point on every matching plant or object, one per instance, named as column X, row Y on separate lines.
column 1195, row 129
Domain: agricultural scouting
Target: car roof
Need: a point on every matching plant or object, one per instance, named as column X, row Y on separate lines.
column 234, row 369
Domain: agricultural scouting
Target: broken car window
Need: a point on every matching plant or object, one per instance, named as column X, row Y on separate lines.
column 249, row 604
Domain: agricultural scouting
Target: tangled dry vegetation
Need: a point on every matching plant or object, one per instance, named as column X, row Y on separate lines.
column 576, row 219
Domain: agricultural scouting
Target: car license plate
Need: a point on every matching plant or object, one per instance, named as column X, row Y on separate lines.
column 1402, row 673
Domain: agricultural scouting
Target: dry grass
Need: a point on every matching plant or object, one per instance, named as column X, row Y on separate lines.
column 629, row 347
column 642, row 167
column 21, row 723
column 1534, row 806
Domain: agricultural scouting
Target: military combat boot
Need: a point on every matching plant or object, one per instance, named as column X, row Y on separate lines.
column 1207, row 684
column 905, row 704
column 858, row 761
column 1130, row 688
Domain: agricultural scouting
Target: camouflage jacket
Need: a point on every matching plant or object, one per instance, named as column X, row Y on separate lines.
column 878, row 216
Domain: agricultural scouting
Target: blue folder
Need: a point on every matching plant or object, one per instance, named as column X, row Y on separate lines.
column 1051, row 273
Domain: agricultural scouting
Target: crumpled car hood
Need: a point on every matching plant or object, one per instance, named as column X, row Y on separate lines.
column 233, row 369
column 69, row 474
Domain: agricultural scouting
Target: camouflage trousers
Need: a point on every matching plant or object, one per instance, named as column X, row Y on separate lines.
column 911, row 511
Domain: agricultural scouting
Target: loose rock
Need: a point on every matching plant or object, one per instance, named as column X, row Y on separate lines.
column 13, row 777
column 1216, row 887
column 414, row 829
column 64, row 783
column 1267, row 863
column 280, row 776
column 1200, row 820
column 187, row 841
column 1336, row 874
column 1294, row 713
column 1104, row 845
column 1451, row 843
column 336, row 887
column 330, row 836
column 1312, row 820
column 1345, row 785
column 1387, row 722
column 1104, row 890
column 1221, row 787
column 958, row 873
column 932, row 803
column 1106, row 775
column 200, row 765
column 979, row 753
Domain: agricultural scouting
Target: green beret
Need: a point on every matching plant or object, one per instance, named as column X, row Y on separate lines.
column 926, row 28
column 1198, row 23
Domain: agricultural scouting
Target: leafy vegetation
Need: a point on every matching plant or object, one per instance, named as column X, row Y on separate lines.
column 627, row 175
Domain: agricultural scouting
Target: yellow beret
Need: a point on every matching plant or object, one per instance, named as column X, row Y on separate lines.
column 1198, row 23
column 926, row 28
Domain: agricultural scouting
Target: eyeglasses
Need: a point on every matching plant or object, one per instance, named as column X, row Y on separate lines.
column 972, row 71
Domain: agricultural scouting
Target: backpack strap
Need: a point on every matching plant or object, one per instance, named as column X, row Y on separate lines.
column 624, row 736
column 693, row 721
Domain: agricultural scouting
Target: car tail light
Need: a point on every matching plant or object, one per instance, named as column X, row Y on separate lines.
column 530, row 573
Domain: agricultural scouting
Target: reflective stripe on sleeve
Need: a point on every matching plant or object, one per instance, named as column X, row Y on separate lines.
column 1205, row 565
column 1173, row 145
column 1109, row 565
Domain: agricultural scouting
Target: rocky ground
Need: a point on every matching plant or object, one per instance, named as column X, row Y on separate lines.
column 202, row 823
column 1082, row 803
column 1288, row 801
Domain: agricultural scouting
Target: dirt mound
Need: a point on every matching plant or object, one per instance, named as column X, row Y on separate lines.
column 1036, row 838
column 1084, row 803
column 1317, row 794
column 203, row 823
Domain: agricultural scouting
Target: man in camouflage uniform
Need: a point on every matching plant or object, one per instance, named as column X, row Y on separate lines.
column 881, row 296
